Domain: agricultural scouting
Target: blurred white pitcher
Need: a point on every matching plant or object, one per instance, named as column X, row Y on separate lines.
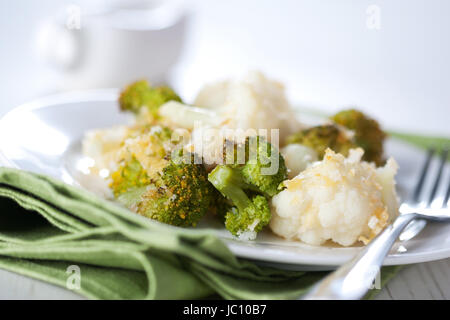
column 110, row 47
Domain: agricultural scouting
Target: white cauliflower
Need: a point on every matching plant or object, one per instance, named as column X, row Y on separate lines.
column 255, row 102
column 297, row 158
column 213, row 95
column 102, row 146
column 344, row 200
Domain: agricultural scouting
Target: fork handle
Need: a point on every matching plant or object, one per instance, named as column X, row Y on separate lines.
column 354, row 278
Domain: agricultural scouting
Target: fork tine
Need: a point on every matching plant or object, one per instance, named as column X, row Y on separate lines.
column 447, row 196
column 423, row 174
column 439, row 175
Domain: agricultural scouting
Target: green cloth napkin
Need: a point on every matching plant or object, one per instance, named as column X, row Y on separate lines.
column 47, row 226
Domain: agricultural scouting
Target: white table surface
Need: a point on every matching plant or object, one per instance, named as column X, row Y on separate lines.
column 430, row 280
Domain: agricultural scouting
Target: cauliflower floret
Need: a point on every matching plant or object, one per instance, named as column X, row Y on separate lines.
column 297, row 157
column 102, row 145
column 213, row 95
column 253, row 103
column 208, row 141
column 386, row 178
column 340, row 199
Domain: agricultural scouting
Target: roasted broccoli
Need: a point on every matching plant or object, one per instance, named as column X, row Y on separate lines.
column 180, row 195
column 249, row 212
column 140, row 94
column 319, row 138
column 367, row 133
column 149, row 144
column 130, row 175
column 219, row 205
column 161, row 184
column 248, row 183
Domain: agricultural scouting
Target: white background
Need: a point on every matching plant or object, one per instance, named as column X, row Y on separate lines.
column 322, row 50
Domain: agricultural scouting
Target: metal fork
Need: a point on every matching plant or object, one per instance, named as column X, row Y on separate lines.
column 353, row 279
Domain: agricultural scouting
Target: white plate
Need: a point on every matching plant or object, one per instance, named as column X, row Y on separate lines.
column 44, row 136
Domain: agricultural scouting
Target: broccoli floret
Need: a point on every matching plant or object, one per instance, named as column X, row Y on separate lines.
column 220, row 205
column 252, row 217
column 261, row 165
column 177, row 193
column 130, row 175
column 319, row 138
column 153, row 142
column 262, row 157
column 140, row 94
column 367, row 133
column 249, row 212
column 180, row 195
column 247, row 185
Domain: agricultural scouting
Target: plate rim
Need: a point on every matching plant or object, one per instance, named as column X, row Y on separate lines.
column 51, row 100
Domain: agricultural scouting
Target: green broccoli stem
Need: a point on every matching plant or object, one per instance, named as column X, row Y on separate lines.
column 230, row 183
